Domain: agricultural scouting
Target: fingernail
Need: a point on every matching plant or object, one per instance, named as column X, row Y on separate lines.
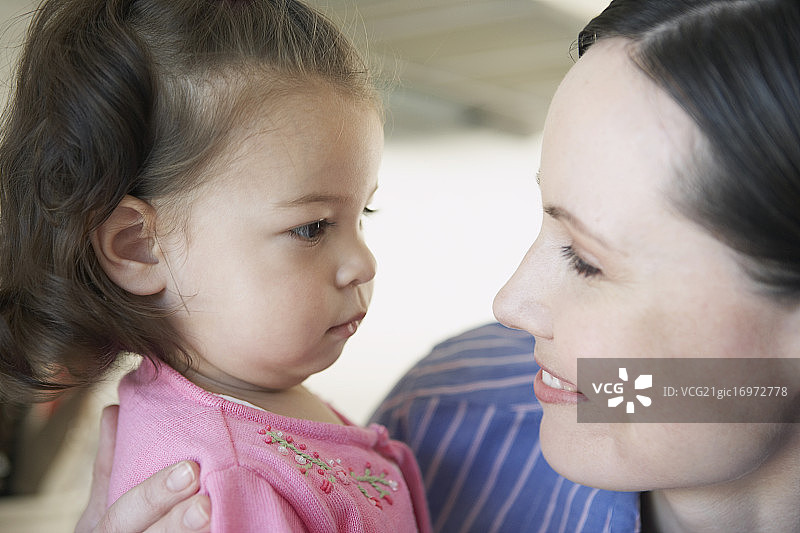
column 196, row 516
column 180, row 477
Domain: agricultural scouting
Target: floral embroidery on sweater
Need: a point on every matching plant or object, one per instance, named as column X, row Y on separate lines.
column 332, row 471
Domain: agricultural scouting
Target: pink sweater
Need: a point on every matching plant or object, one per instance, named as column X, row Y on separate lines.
column 262, row 471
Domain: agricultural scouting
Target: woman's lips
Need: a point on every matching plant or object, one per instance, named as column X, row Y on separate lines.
column 551, row 389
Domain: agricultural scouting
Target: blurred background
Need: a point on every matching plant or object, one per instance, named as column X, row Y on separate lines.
column 467, row 85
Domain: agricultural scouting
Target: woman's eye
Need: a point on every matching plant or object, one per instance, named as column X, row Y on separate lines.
column 577, row 264
column 311, row 232
column 366, row 213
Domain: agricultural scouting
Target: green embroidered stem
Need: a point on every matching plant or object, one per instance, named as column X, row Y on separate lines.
column 290, row 446
column 376, row 482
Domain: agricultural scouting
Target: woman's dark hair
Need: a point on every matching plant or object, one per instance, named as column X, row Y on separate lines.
column 734, row 67
column 127, row 97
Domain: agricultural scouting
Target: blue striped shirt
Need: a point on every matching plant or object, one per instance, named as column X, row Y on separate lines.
column 469, row 414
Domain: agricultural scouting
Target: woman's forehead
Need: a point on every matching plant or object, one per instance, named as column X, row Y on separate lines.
column 609, row 119
column 614, row 142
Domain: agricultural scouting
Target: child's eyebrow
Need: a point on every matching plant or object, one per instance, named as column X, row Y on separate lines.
column 313, row 199
column 317, row 198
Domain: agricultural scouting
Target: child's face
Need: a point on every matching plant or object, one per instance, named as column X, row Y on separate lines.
column 272, row 274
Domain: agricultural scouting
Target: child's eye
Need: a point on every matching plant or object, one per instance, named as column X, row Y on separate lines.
column 579, row 265
column 311, row 232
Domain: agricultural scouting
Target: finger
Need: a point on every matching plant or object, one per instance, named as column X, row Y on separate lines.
column 192, row 515
column 101, row 472
column 152, row 500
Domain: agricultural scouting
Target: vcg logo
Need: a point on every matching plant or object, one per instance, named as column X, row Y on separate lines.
column 644, row 381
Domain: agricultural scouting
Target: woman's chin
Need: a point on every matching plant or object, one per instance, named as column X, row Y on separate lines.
column 584, row 453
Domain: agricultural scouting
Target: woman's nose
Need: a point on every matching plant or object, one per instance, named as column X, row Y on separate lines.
column 525, row 300
column 358, row 265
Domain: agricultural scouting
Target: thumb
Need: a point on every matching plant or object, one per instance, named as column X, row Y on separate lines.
column 102, row 471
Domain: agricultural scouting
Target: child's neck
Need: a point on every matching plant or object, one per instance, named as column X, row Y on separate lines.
column 295, row 402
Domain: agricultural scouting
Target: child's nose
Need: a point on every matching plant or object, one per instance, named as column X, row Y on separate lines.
column 358, row 265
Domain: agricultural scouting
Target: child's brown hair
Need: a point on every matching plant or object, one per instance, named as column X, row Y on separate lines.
column 127, row 97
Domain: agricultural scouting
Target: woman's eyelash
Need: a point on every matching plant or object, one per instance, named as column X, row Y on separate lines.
column 579, row 265
column 369, row 211
column 311, row 232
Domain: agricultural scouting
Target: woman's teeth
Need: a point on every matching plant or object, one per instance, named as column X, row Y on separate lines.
column 551, row 381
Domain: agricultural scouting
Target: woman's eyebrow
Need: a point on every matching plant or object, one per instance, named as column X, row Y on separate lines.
column 559, row 213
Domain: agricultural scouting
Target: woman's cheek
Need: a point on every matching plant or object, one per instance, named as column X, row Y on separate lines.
column 587, row 329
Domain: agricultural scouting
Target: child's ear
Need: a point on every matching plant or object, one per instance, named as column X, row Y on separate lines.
column 125, row 245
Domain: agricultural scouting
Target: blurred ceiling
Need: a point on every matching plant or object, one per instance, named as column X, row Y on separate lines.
column 451, row 63
column 456, row 63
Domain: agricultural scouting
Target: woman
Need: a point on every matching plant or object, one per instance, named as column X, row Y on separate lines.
column 670, row 178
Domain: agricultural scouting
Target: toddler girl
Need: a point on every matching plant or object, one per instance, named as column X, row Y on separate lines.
column 186, row 180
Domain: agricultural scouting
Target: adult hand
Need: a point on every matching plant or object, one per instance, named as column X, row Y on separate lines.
column 166, row 501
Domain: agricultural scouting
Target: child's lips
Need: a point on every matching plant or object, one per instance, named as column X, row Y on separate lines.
column 348, row 328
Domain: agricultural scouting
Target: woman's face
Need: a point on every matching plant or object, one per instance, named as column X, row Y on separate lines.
column 617, row 272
